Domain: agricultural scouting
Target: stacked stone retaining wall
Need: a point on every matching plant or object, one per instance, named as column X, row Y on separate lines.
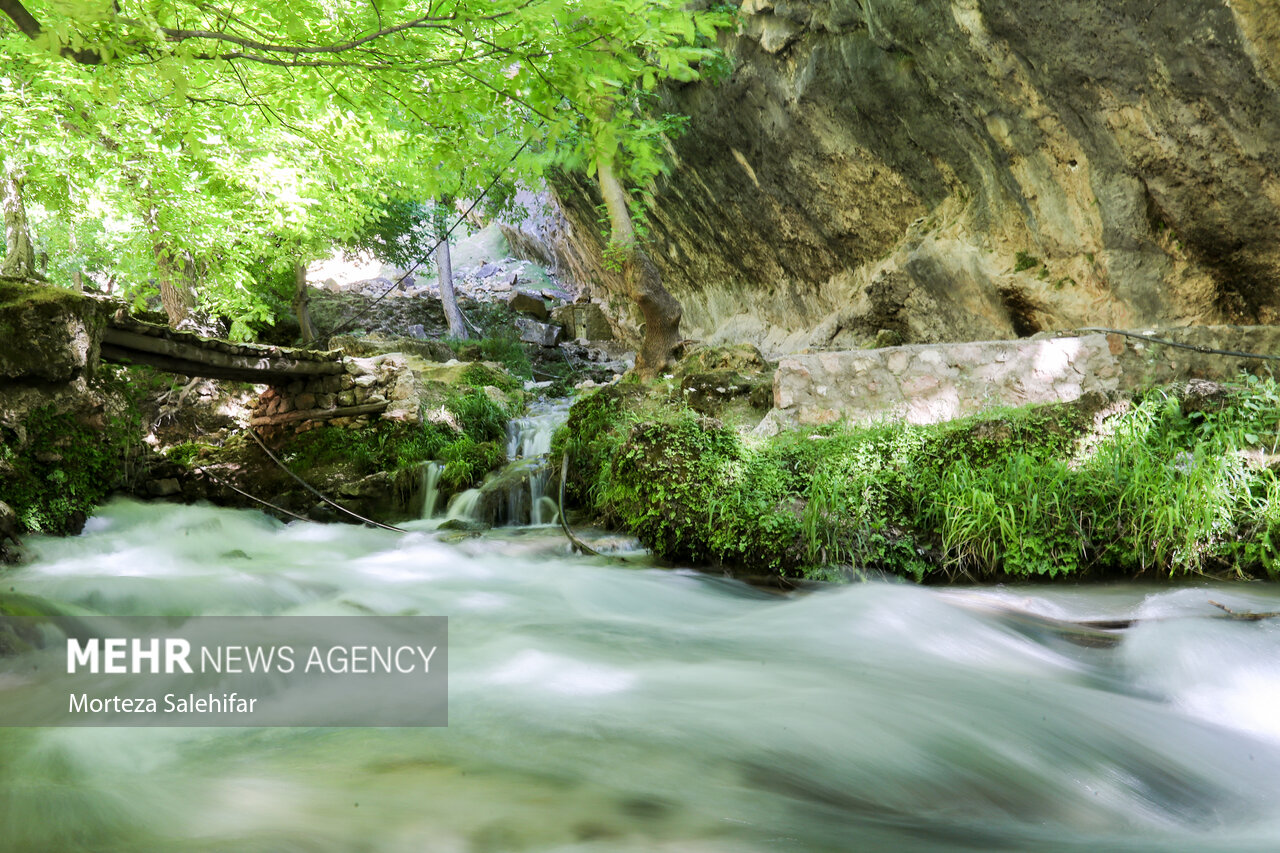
column 936, row 382
column 367, row 389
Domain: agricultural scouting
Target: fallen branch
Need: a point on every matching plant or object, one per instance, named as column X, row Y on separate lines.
column 1244, row 615
column 574, row 541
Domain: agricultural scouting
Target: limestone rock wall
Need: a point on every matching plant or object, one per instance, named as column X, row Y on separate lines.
column 968, row 169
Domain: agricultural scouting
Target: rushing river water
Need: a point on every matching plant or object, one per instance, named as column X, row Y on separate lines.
column 600, row 707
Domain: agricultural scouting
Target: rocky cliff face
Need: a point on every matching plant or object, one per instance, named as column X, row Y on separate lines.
column 961, row 169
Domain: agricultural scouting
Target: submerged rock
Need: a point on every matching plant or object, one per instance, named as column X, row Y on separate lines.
column 27, row 623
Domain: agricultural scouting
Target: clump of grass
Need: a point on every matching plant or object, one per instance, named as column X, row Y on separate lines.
column 1025, row 261
column 480, row 417
column 384, row 446
column 1031, row 492
column 504, row 348
column 467, row 461
column 468, row 453
column 479, row 375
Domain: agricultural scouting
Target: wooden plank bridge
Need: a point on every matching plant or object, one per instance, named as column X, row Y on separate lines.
column 127, row 340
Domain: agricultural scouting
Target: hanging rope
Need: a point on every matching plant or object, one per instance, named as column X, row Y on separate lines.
column 313, row 491
column 346, row 324
column 206, row 472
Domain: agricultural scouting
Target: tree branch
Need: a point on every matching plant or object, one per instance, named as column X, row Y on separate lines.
column 298, row 50
column 30, row 27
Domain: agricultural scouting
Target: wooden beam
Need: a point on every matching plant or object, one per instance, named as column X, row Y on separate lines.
column 180, row 357
column 320, row 414
column 121, row 355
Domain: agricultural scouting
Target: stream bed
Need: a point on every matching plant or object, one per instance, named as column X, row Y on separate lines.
column 600, row 706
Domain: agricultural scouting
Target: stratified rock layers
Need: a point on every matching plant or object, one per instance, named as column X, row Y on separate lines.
column 964, row 170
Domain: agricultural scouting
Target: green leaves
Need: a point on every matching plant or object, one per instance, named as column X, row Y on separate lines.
column 273, row 129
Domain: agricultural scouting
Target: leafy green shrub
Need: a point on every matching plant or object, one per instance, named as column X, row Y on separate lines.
column 467, row 461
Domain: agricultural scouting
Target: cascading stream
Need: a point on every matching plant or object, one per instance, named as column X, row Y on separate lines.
column 595, row 708
column 529, row 438
column 430, row 487
column 517, row 494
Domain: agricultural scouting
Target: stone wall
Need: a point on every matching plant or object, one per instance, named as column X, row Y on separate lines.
column 369, row 388
column 937, row 382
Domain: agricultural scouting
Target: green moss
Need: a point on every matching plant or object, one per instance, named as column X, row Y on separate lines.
column 14, row 293
column 183, row 454
column 591, row 436
column 479, row 375
column 65, row 464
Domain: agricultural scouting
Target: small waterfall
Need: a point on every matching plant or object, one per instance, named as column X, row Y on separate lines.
column 530, row 438
column 516, row 495
column 430, row 488
column 463, row 506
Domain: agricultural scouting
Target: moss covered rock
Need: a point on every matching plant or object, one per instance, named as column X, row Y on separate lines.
column 1102, row 487
column 48, row 334
column 60, row 458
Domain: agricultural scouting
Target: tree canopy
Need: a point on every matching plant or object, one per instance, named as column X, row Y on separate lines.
column 212, row 136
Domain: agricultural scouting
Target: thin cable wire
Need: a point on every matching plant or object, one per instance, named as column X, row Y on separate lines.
column 345, row 324
column 227, row 485
column 1193, row 347
column 313, row 491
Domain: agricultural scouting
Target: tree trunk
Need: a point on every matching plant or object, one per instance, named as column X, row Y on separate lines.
column 177, row 284
column 661, row 310
column 444, row 265
column 301, row 297
column 175, row 273
column 77, row 276
column 20, row 256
